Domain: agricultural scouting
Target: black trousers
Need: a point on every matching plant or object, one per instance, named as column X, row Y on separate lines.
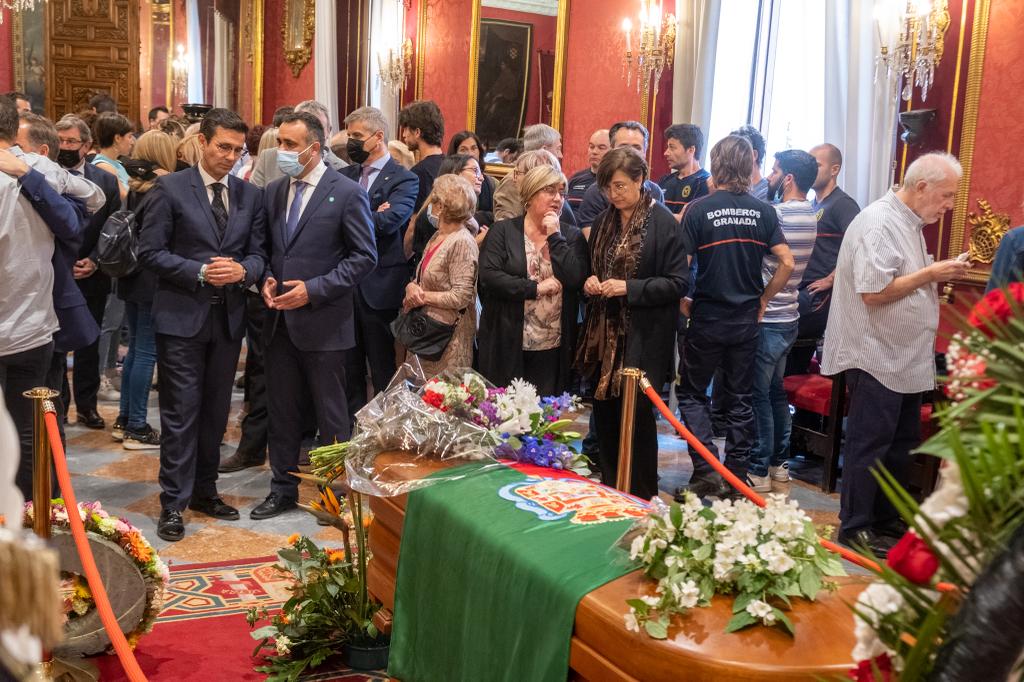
column 541, row 368
column 253, row 442
column 292, row 375
column 608, row 413
column 725, row 351
column 20, row 372
column 812, row 326
column 85, row 376
column 375, row 345
column 57, row 379
column 196, row 378
column 882, row 427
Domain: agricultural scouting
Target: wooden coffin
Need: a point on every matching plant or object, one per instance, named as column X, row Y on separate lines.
column 698, row 648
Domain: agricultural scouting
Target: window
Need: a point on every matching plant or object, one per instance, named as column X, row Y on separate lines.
column 770, row 72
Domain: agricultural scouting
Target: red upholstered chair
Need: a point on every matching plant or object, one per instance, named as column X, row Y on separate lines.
column 826, row 398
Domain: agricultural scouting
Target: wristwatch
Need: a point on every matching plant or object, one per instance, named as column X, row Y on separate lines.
column 202, row 274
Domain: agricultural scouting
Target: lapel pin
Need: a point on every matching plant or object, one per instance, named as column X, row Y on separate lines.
column 330, row 199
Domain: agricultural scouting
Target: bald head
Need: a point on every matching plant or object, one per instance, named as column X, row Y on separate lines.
column 597, row 148
column 830, row 162
column 930, row 184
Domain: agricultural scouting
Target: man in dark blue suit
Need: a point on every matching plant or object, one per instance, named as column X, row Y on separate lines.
column 319, row 248
column 75, row 139
column 204, row 238
column 392, row 191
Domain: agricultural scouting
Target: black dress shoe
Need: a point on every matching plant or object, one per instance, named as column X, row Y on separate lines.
column 91, row 419
column 215, row 507
column 241, row 460
column 867, row 539
column 170, row 527
column 272, row 506
column 895, row 528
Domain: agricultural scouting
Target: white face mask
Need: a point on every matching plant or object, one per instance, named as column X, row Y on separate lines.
column 289, row 164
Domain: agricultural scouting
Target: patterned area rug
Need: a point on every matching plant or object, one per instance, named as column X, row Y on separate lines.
column 201, row 634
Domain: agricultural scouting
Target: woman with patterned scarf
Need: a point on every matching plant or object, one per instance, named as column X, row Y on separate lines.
column 639, row 275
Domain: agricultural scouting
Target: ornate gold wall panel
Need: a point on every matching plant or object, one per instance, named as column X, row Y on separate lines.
column 93, row 46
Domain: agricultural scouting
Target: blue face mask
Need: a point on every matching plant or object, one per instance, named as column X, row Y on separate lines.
column 431, row 218
column 289, row 164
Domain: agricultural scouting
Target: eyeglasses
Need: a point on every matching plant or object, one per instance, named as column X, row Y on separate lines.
column 472, row 172
column 619, row 187
column 552, row 190
column 226, row 148
column 75, row 143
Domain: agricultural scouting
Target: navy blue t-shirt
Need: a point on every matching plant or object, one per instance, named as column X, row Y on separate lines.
column 595, row 202
column 579, row 183
column 681, row 191
column 835, row 213
column 730, row 234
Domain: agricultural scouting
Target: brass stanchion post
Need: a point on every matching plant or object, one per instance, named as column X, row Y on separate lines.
column 630, row 380
column 42, row 460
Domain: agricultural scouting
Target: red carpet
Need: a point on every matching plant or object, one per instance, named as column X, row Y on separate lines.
column 201, row 633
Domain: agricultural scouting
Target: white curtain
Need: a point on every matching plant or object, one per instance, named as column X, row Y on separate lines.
column 693, row 74
column 860, row 115
column 196, row 93
column 325, row 55
column 222, row 66
column 387, row 18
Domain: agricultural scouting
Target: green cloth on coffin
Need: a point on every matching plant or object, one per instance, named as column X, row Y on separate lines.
column 492, row 567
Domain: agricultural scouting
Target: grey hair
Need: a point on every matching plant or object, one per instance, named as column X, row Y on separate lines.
column 371, row 116
column 539, row 135
column 311, row 106
column 931, row 168
column 71, row 121
column 527, row 161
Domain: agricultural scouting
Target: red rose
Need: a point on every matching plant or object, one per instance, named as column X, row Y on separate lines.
column 865, row 670
column 995, row 307
column 433, row 398
column 913, row 559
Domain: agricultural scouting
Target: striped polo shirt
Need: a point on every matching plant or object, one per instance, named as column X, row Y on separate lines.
column 893, row 342
column 799, row 223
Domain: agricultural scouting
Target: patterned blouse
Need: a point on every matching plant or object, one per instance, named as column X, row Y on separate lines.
column 542, row 316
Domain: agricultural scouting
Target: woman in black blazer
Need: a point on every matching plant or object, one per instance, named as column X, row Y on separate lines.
column 531, row 271
column 639, row 276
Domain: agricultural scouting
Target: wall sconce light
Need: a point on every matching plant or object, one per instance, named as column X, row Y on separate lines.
column 179, row 74
column 914, row 124
column 910, row 43
column 655, row 45
column 394, row 66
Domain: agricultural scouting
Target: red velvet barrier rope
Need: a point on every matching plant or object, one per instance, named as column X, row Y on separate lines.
column 92, row 574
column 747, row 492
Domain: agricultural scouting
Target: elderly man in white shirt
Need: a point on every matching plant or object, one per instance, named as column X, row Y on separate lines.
column 881, row 332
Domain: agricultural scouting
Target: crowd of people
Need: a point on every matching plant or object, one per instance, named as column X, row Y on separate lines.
column 337, row 255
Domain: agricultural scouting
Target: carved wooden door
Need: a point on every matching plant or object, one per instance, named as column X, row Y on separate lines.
column 93, row 48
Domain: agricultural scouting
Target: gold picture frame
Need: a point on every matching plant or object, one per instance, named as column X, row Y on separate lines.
column 297, row 32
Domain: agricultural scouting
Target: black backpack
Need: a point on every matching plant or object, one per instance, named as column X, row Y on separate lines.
column 117, row 250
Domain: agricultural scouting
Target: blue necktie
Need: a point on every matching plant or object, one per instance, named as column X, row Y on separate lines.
column 293, row 211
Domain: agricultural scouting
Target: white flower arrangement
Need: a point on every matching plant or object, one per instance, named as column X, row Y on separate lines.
column 765, row 556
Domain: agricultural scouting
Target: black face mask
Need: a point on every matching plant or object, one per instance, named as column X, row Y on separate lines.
column 69, row 158
column 356, row 152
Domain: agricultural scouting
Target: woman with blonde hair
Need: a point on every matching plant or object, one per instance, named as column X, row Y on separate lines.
column 189, row 152
column 532, row 269
column 445, row 282
column 153, row 156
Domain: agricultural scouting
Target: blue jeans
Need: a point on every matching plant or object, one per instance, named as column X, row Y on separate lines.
column 137, row 373
column 771, row 408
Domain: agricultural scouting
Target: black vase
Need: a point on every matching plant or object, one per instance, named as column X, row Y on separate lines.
column 367, row 656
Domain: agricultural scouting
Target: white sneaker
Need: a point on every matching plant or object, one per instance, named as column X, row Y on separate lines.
column 107, row 391
column 780, row 473
column 760, row 484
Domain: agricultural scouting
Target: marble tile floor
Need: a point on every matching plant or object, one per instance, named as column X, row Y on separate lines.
column 125, row 482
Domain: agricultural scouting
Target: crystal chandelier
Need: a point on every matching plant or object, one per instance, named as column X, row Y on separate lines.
column 911, row 42
column 394, row 67
column 179, row 75
column 16, row 6
column 655, row 43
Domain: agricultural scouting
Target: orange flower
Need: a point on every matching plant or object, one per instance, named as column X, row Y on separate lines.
column 335, row 556
column 137, row 547
column 367, row 520
column 293, row 538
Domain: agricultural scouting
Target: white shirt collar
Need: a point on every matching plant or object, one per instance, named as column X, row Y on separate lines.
column 209, row 179
column 313, row 177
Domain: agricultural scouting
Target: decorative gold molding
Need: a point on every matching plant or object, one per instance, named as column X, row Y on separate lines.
column 298, row 57
column 421, row 48
column 561, row 58
column 972, row 98
column 987, row 230
column 474, row 64
column 257, row 60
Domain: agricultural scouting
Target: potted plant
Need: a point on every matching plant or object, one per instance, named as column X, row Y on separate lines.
column 330, row 610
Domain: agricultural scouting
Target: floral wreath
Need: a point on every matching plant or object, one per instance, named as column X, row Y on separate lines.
column 154, row 571
column 925, row 611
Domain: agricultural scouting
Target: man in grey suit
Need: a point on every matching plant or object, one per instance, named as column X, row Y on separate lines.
column 266, row 169
column 320, row 246
column 203, row 237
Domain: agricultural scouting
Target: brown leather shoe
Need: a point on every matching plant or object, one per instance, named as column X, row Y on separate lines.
column 241, row 460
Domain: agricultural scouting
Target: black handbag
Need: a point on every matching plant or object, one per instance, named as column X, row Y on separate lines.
column 422, row 334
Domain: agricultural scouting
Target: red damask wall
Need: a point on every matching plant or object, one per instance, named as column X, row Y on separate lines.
column 446, row 66
column 280, row 87
column 6, row 54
